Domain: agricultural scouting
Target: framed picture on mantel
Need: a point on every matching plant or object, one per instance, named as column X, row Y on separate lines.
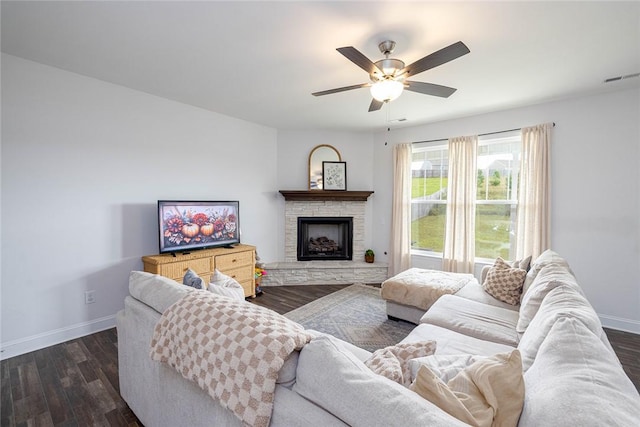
column 334, row 175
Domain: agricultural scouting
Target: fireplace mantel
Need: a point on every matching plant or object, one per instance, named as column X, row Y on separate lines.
column 321, row 195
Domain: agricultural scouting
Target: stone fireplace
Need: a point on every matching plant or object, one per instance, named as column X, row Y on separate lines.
column 326, row 208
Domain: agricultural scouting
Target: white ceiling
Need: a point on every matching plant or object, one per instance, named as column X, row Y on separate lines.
column 260, row 61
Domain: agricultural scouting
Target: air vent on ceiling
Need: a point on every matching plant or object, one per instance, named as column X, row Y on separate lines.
column 615, row 79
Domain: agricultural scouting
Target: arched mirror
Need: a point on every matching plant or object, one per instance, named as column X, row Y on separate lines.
column 321, row 153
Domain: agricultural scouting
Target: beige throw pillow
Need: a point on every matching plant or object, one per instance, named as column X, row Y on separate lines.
column 504, row 282
column 393, row 361
column 489, row 392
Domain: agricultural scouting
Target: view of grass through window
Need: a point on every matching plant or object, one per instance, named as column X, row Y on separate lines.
column 495, row 200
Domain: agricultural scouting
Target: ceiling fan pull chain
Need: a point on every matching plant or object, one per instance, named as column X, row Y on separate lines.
column 388, row 114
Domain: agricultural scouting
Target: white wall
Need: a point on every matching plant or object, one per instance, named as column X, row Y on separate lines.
column 294, row 148
column 595, row 190
column 83, row 164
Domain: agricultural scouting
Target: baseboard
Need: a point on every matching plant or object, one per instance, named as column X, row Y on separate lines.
column 36, row 342
column 620, row 324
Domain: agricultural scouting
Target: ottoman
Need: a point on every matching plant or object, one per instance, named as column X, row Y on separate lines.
column 409, row 294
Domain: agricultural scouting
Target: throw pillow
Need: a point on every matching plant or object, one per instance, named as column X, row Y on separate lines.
column 523, row 263
column 504, row 282
column 393, row 361
column 192, row 279
column 487, row 392
column 227, row 286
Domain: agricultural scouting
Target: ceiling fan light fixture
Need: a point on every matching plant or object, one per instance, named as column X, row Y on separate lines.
column 386, row 90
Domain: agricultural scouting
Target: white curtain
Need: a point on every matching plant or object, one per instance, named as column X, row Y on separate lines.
column 534, row 211
column 401, row 210
column 459, row 240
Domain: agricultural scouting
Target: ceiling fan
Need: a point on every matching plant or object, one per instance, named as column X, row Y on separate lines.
column 389, row 76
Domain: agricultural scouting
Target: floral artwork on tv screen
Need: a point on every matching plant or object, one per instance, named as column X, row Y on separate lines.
column 185, row 226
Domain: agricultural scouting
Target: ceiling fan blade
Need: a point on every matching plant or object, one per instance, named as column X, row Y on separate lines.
column 430, row 89
column 440, row 57
column 355, row 56
column 340, row 89
column 375, row 105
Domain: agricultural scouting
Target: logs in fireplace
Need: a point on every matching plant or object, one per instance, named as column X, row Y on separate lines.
column 323, row 245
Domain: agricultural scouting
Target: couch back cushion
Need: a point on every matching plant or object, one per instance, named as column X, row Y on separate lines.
column 548, row 277
column 576, row 381
column 158, row 292
column 340, row 383
column 562, row 301
column 547, row 258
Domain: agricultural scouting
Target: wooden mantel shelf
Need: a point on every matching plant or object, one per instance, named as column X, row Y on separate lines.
column 322, row 195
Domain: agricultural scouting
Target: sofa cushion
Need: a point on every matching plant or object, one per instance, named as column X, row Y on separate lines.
column 340, row 383
column 451, row 342
column 549, row 278
column 562, row 301
column 472, row 318
column 474, row 291
column 490, row 391
column 393, row 362
column 546, row 258
column 504, row 282
column 359, row 353
column 156, row 291
column 575, row 381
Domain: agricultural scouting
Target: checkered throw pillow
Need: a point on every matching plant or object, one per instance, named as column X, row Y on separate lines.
column 393, row 361
column 504, row 283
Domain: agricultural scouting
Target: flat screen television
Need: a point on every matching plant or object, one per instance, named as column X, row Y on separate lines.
column 190, row 225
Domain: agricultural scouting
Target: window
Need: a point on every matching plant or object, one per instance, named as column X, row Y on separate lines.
column 429, row 171
column 498, row 165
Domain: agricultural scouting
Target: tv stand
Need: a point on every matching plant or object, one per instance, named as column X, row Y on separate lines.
column 237, row 261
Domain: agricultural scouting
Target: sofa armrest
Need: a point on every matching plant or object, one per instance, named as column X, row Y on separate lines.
column 483, row 274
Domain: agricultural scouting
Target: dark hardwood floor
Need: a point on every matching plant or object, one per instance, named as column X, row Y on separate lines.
column 76, row 383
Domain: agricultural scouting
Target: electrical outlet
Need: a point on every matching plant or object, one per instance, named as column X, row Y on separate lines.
column 89, row 297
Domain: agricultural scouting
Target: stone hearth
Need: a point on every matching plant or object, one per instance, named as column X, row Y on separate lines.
column 317, row 203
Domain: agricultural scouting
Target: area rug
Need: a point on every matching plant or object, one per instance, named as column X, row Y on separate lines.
column 355, row 314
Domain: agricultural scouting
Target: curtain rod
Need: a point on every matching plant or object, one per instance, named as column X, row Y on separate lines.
column 482, row 134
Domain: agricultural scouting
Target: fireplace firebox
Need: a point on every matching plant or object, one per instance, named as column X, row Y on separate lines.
column 325, row 238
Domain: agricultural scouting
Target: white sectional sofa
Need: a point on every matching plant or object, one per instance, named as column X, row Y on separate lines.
column 571, row 374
